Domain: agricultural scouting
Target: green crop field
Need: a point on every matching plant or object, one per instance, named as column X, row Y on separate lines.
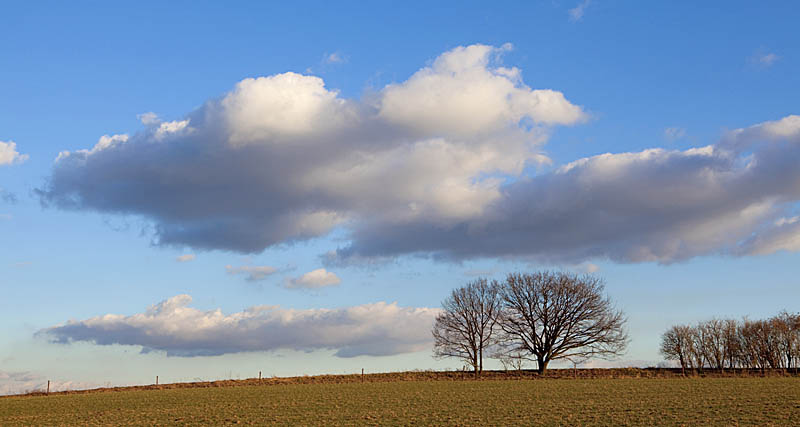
column 638, row 401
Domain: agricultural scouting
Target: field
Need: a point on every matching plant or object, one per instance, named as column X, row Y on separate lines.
column 543, row 401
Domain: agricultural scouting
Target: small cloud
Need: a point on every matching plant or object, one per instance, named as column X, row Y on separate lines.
column 9, row 154
column 186, row 258
column 576, row 13
column 787, row 221
column 253, row 273
column 149, row 118
column 764, row 59
column 333, row 58
column 318, row 278
column 26, row 382
column 768, row 59
column 582, row 268
column 674, row 133
column 588, row 267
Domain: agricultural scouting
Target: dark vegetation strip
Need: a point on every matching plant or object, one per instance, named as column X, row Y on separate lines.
column 526, row 374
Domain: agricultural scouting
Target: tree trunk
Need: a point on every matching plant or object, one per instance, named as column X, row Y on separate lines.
column 541, row 365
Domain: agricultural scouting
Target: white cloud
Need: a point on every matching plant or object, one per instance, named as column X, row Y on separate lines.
column 161, row 130
column 282, row 158
column 576, row 13
column 283, row 109
column 462, row 95
column 784, row 235
column 333, row 58
column 149, row 118
column 106, row 142
column 765, row 59
column 786, row 129
column 9, row 154
column 651, row 206
column 434, row 166
column 167, row 129
column 318, row 278
column 25, row 382
column 172, row 326
column 674, row 133
column 186, row 258
column 253, row 273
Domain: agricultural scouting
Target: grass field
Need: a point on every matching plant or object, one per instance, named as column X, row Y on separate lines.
column 638, row 401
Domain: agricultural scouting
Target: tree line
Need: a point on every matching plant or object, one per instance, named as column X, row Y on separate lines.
column 721, row 344
column 541, row 317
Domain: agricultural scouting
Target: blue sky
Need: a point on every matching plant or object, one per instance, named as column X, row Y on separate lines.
column 100, row 233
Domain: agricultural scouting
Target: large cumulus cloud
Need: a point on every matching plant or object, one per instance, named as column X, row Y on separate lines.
column 436, row 166
column 283, row 158
column 378, row 329
column 655, row 205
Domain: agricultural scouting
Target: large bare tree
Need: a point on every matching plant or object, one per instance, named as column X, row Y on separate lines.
column 468, row 322
column 552, row 316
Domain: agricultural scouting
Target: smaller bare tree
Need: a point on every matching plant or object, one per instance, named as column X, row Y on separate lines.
column 732, row 342
column 466, row 327
column 676, row 344
column 787, row 331
column 712, row 343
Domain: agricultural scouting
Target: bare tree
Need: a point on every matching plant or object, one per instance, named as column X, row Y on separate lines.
column 697, row 356
column 770, row 347
column 712, row 343
column 676, row 344
column 466, row 327
column 787, row 330
column 751, row 344
column 732, row 342
column 552, row 316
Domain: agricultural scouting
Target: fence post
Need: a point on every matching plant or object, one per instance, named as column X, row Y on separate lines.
column 362, row 375
column 259, row 375
column 48, row 386
column 156, row 379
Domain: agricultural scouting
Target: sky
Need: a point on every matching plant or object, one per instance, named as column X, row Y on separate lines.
column 206, row 190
